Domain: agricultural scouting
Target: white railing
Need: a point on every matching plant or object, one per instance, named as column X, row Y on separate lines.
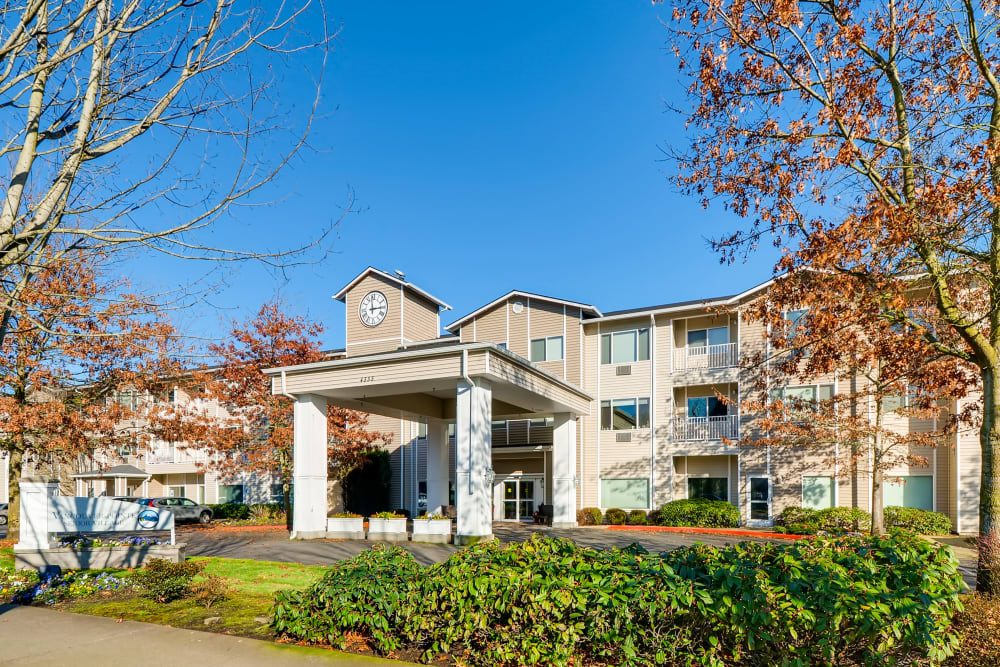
column 707, row 428
column 725, row 355
column 155, row 456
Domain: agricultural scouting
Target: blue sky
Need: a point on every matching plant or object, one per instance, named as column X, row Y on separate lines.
column 491, row 147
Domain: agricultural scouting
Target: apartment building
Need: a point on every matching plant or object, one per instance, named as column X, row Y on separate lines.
column 653, row 430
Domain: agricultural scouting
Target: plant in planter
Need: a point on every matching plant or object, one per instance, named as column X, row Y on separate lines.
column 346, row 526
column 432, row 528
column 387, row 526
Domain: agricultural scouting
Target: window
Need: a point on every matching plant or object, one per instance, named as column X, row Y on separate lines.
column 502, row 346
column 624, row 347
column 810, row 393
column 128, row 399
column 539, row 422
column 707, row 406
column 795, row 323
column 627, row 494
column 624, row 414
column 277, row 494
column 909, row 491
column 230, row 493
column 711, row 488
column 818, row 492
column 451, row 430
column 421, row 431
column 706, row 337
column 547, row 349
column 500, row 424
column 175, row 492
column 896, row 402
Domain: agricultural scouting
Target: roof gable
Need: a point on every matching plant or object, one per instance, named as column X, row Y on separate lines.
column 587, row 308
column 341, row 295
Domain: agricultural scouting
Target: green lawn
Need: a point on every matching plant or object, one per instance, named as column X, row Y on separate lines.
column 7, row 558
column 245, row 613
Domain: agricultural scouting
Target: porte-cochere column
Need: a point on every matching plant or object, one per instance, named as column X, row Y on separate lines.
column 309, row 472
column 473, row 469
column 564, row 471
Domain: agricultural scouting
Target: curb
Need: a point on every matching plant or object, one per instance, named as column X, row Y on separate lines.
column 709, row 531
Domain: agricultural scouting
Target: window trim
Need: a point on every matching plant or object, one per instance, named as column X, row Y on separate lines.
column 545, row 348
column 635, row 351
column 635, row 399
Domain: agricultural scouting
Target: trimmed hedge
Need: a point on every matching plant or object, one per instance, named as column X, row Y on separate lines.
column 699, row 512
column 805, row 521
column 637, row 518
column 240, row 511
column 870, row 600
column 590, row 516
column 919, row 521
column 615, row 517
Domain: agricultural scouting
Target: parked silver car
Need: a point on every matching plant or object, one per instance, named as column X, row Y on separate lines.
column 182, row 508
column 3, row 514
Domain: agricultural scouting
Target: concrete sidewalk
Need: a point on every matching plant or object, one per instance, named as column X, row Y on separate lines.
column 36, row 636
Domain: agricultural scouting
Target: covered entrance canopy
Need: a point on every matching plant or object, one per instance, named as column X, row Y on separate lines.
column 470, row 384
column 120, row 475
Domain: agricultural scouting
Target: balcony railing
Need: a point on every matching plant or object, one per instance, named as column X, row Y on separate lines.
column 724, row 355
column 707, row 428
column 156, row 456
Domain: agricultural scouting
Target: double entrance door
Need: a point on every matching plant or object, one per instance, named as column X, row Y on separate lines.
column 517, row 498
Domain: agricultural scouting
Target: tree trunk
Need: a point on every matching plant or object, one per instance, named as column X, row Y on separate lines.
column 988, row 574
column 878, row 516
column 14, row 505
column 286, row 495
column 878, row 477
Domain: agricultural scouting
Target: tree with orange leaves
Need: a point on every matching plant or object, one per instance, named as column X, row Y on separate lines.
column 255, row 435
column 890, row 407
column 863, row 141
column 76, row 338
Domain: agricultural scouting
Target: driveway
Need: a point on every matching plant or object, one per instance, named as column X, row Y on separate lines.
column 275, row 545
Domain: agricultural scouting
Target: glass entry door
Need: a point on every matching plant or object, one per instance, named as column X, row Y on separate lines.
column 519, row 499
column 759, row 497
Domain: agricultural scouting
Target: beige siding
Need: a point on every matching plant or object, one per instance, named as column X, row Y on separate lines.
column 491, row 326
column 420, row 318
column 384, row 337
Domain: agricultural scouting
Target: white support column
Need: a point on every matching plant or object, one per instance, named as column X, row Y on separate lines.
column 473, row 464
column 34, row 500
column 437, row 467
column 563, row 471
column 310, row 461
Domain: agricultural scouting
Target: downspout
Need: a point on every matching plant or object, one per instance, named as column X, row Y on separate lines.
column 284, row 392
column 465, row 376
column 284, row 387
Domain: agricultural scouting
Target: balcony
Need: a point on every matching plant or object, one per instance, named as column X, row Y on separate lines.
column 159, row 456
column 724, row 355
column 707, row 428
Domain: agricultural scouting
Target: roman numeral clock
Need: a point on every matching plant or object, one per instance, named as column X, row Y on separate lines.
column 373, row 309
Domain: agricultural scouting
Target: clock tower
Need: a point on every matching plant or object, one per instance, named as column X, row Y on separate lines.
column 385, row 313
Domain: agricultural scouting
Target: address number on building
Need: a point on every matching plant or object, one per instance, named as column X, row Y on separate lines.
column 367, row 378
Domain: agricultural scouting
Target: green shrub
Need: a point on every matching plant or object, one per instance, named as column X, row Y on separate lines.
column 791, row 515
column 371, row 594
column 163, row 581
column 699, row 512
column 590, row 516
column 615, row 517
column 237, row 511
column 637, row 518
column 210, row 590
column 865, row 600
column 653, row 518
column 917, row 520
column 843, row 520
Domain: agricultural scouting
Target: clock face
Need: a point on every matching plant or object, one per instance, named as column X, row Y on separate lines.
column 373, row 309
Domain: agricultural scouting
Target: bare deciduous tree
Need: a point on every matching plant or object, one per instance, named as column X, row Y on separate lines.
column 138, row 124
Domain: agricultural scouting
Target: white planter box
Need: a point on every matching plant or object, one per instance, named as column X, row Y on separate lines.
column 432, row 530
column 389, row 530
column 345, row 528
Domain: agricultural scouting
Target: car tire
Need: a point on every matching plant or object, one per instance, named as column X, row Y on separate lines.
column 204, row 517
column 3, row 520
